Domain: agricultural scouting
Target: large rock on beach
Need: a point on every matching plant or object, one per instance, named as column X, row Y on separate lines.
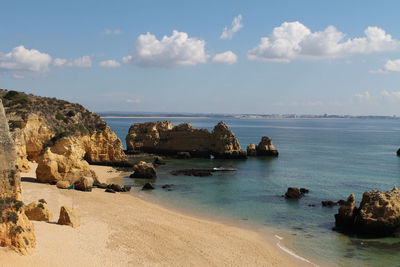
column 84, row 184
column 63, row 161
column 63, row 184
column 377, row 215
column 16, row 231
column 38, row 211
column 266, row 148
column 144, row 170
column 69, row 217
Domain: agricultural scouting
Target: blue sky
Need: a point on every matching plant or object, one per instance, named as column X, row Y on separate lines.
column 304, row 57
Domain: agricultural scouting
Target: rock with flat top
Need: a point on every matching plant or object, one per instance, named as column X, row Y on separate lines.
column 38, row 211
column 266, row 148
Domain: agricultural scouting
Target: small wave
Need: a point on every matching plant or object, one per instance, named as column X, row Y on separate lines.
column 285, row 249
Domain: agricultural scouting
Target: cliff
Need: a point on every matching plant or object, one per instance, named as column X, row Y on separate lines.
column 164, row 138
column 15, row 229
column 39, row 122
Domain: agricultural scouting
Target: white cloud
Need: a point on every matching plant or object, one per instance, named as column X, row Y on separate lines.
column 293, row 40
column 21, row 60
column 390, row 66
column 226, row 58
column 111, row 63
column 392, row 95
column 82, row 62
column 114, row 32
column 236, row 26
column 364, row 96
column 171, row 51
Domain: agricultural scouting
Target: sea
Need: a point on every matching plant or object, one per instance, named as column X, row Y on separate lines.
column 333, row 158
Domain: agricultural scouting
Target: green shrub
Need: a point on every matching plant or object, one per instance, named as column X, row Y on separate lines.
column 60, row 117
column 16, row 97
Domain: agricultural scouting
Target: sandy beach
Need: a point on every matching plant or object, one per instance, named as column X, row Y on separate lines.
column 123, row 230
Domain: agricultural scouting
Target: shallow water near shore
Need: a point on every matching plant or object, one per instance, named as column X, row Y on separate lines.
column 331, row 157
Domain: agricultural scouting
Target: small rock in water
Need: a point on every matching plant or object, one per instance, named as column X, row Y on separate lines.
column 304, row 191
column 193, row 172
column 294, row 193
column 167, row 186
column 127, row 188
column 159, row 160
column 328, row 203
column 148, row 186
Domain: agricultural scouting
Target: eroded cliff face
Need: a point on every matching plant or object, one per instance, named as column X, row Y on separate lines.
column 38, row 122
column 16, row 231
column 64, row 161
column 103, row 147
column 164, row 138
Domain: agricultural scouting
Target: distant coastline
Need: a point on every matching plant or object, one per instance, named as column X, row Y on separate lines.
column 116, row 115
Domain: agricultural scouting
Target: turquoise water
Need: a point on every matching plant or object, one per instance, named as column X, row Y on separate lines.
column 331, row 157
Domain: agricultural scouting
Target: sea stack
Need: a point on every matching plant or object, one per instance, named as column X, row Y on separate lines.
column 16, row 231
column 377, row 216
column 164, row 138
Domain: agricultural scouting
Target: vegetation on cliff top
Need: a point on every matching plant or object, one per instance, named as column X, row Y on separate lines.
column 64, row 117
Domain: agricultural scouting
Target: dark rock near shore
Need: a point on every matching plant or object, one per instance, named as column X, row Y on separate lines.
column 377, row 216
column 148, row 186
column 109, row 190
column 84, row 184
column 398, row 152
column 159, row 160
column 144, row 170
column 115, row 187
column 183, row 155
column 295, row 193
column 127, row 188
column 328, row 203
column 193, row 172
column 167, row 186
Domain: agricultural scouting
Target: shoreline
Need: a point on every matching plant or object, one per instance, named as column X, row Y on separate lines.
column 279, row 238
column 116, row 228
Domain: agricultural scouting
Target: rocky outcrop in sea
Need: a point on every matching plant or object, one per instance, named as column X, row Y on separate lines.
column 378, row 214
column 163, row 138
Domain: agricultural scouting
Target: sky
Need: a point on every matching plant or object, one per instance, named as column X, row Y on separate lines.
column 253, row 57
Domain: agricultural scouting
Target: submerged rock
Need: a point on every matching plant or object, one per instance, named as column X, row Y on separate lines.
column 378, row 214
column 144, row 170
column 193, row 172
column 148, row 186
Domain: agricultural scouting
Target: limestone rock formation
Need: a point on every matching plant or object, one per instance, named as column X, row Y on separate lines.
column 266, row 148
column 104, row 147
column 224, row 144
column 69, row 217
column 38, row 211
column 143, row 170
column 164, row 138
column 63, row 161
column 16, row 231
column 37, row 122
column 295, row 193
column 377, row 215
column 251, row 150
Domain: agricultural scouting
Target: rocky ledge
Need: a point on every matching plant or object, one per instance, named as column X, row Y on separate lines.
column 184, row 141
column 377, row 216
